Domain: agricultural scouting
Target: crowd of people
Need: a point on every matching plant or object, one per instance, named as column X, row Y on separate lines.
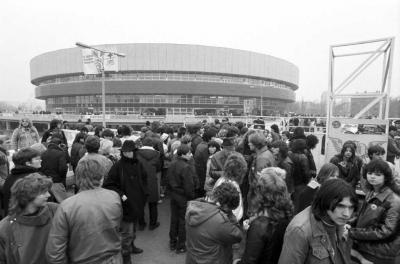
column 237, row 195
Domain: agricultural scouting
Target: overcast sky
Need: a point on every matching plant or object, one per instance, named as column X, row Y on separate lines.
column 298, row 31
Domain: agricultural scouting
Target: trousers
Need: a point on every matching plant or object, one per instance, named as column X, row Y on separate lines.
column 177, row 232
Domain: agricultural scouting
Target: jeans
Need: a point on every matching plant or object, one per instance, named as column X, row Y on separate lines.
column 128, row 236
column 177, row 232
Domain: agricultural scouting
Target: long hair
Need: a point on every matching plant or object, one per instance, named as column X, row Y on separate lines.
column 352, row 148
column 25, row 190
column 30, row 124
column 272, row 196
column 235, row 167
column 226, row 195
column 245, row 143
column 327, row 171
column 80, row 136
column 379, row 166
column 330, row 194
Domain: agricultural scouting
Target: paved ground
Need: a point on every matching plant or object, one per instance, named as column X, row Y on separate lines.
column 156, row 243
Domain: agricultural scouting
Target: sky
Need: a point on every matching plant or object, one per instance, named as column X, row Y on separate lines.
column 298, row 31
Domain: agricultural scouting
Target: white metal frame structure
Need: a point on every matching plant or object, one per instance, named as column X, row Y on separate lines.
column 385, row 49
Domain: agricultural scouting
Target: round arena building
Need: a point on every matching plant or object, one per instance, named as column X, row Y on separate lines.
column 167, row 79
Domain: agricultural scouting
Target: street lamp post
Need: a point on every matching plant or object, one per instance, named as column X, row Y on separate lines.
column 103, row 76
column 261, row 100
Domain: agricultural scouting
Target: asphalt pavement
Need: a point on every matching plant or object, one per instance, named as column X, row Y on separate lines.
column 155, row 243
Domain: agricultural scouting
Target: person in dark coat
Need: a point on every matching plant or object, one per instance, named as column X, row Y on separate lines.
column 4, row 168
column 212, row 228
column 267, row 227
column 311, row 142
column 393, row 149
column 55, row 128
column 201, row 157
column 54, row 165
column 301, row 168
column 280, row 150
column 218, row 159
column 26, row 161
column 150, row 159
column 196, row 132
column 181, row 176
column 307, row 195
column 298, row 133
column 348, row 163
column 128, row 178
column 77, row 145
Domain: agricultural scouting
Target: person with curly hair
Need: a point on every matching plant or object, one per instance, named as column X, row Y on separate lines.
column 25, row 135
column 234, row 170
column 211, row 227
column 24, row 232
column 273, row 211
column 376, row 233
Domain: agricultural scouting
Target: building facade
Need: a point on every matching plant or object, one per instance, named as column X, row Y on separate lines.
column 168, row 79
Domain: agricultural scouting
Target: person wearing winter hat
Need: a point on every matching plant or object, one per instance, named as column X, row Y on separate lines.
column 128, row 178
column 218, row 160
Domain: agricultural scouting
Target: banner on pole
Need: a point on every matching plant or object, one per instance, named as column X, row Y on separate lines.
column 93, row 59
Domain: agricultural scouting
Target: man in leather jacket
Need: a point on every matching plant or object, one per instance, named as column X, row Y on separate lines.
column 317, row 234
